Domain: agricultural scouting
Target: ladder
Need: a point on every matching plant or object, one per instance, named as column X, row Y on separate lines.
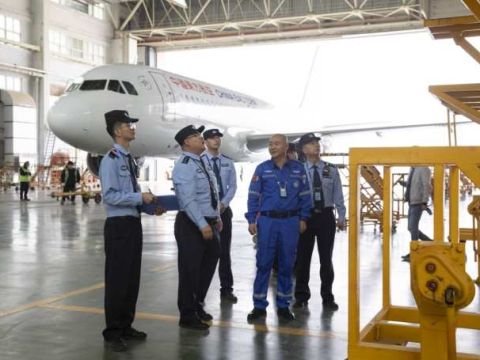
column 48, row 147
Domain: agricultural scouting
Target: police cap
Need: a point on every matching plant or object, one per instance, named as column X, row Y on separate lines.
column 308, row 138
column 210, row 133
column 188, row 131
column 115, row 116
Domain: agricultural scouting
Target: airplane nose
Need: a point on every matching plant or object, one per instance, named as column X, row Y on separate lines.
column 68, row 122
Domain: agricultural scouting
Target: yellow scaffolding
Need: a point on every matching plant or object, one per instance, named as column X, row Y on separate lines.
column 384, row 337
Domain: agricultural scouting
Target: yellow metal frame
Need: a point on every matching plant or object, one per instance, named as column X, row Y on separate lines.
column 396, row 324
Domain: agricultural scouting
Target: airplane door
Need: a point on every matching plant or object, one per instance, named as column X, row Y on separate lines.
column 167, row 94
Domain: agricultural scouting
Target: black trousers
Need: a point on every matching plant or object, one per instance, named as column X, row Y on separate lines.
column 123, row 250
column 322, row 226
column 197, row 260
column 24, row 186
column 225, row 263
column 69, row 188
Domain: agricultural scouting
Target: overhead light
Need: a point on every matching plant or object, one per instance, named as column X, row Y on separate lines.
column 180, row 3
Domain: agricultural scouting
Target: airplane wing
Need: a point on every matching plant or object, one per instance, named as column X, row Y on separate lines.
column 258, row 142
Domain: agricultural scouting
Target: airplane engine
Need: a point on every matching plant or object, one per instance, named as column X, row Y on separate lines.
column 93, row 163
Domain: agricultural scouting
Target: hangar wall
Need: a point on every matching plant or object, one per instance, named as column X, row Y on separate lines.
column 44, row 44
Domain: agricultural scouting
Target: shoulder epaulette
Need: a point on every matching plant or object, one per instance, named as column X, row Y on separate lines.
column 185, row 160
column 330, row 164
column 113, row 153
column 226, row 157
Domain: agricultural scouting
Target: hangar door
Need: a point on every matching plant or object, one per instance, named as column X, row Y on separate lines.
column 18, row 120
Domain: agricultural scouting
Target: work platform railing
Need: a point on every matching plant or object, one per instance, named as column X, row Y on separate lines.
column 386, row 334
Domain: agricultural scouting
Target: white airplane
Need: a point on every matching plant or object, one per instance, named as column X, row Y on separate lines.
column 165, row 102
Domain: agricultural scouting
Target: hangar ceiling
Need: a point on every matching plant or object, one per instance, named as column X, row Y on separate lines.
column 206, row 23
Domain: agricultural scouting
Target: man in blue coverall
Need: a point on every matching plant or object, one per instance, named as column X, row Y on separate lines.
column 278, row 209
column 122, row 232
column 197, row 228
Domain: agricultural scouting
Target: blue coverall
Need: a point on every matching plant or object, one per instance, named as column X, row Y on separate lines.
column 278, row 199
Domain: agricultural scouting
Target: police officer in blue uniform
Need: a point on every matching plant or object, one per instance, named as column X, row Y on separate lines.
column 278, row 209
column 326, row 191
column 122, row 232
column 197, row 228
column 224, row 170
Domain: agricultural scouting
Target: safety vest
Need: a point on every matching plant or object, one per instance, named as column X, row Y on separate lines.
column 25, row 175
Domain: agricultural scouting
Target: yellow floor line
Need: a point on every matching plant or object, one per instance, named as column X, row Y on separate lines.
column 164, row 267
column 223, row 324
column 43, row 302
column 51, row 299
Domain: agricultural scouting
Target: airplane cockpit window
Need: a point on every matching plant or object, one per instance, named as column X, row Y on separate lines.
column 93, row 85
column 72, row 87
column 130, row 88
column 114, row 85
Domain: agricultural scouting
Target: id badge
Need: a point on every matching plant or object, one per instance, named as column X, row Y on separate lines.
column 283, row 192
column 317, row 196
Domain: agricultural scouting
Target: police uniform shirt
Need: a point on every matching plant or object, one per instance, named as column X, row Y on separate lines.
column 331, row 186
column 192, row 188
column 264, row 193
column 228, row 175
column 119, row 196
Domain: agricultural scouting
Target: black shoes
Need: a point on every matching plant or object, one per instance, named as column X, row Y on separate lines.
column 256, row 314
column 330, row 305
column 193, row 323
column 300, row 304
column 116, row 345
column 204, row 316
column 285, row 314
column 228, row 296
column 134, row 334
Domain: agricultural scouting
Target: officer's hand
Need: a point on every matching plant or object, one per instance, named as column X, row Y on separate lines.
column 222, row 208
column 148, row 197
column 219, row 225
column 340, row 225
column 160, row 210
column 207, row 232
column 303, row 226
column 252, row 229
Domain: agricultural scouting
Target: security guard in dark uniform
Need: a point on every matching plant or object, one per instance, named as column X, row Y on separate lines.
column 197, row 228
column 326, row 192
column 224, row 170
column 278, row 209
column 122, row 232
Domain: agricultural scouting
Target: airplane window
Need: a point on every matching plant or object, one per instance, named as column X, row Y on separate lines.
column 114, row 85
column 93, row 85
column 72, row 87
column 130, row 88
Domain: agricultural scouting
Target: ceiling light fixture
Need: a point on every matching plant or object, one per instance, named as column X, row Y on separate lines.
column 180, row 3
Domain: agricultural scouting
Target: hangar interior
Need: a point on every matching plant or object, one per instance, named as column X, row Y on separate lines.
column 52, row 257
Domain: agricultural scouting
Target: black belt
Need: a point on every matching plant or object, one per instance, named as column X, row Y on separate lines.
column 124, row 217
column 211, row 220
column 279, row 214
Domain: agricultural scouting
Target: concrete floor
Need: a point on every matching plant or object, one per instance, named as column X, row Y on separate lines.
column 51, row 286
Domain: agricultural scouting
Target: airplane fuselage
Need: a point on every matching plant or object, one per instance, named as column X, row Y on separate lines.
column 164, row 102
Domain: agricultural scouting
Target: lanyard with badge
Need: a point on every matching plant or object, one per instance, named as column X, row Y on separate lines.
column 282, row 188
column 316, row 182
